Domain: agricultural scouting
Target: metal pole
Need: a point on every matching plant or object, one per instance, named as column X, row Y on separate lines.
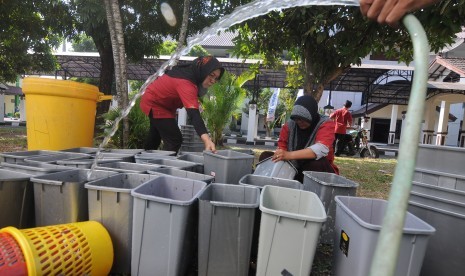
column 387, row 249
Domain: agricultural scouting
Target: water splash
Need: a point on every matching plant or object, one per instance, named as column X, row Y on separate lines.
column 239, row 15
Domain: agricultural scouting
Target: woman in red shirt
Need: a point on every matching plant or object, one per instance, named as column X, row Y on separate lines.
column 179, row 87
column 306, row 140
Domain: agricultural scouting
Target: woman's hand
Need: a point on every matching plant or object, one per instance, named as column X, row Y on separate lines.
column 279, row 155
column 209, row 145
column 391, row 11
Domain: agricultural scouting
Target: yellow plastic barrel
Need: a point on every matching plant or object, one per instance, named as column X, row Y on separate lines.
column 81, row 248
column 60, row 114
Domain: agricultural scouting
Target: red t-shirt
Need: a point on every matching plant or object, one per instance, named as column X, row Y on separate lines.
column 324, row 135
column 166, row 94
column 342, row 117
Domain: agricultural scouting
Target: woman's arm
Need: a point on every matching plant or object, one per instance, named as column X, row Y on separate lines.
column 200, row 128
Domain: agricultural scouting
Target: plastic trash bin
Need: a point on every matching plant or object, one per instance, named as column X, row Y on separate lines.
column 85, row 163
column 127, row 167
column 34, row 169
column 87, row 150
column 195, row 158
column 111, row 204
column 19, row 156
column 227, row 166
column 327, row 186
column 123, row 157
column 61, row 197
column 444, row 252
column 289, row 230
column 159, row 152
column 164, row 225
column 55, row 157
column 60, row 113
column 446, row 159
column 82, row 248
column 173, row 163
column 147, row 157
column 358, row 223
column 124, row 151
column 16, row 199
column 184, row 174
column 442, row 179
column 438, row 202
column 281, row 169
column 226, row 221
column 260, row 181
column 441, row 192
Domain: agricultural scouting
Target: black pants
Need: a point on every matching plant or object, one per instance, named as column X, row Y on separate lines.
column 320, row 165
column 342, row 140
column 166, row 130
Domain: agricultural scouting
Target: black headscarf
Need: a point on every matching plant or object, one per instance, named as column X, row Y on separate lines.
column 197, row 70
column 306, row 108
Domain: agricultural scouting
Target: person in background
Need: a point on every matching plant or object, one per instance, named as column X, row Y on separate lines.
column 306, row 139
column 179, row 87
column 343, row 120
column 391, row 11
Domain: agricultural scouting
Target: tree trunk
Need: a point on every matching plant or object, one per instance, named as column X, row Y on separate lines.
column 115, row 25
column 105, row 85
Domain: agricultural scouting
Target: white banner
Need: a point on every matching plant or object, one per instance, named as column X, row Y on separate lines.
column 272, row 105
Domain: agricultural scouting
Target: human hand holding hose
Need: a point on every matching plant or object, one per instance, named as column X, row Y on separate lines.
column 391, row 11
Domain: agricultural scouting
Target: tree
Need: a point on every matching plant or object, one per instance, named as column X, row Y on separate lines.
column 222, row 100
column 328, row 39
column 83, row 43
column 25, row 29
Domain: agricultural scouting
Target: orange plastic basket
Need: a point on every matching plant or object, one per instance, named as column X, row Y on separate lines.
column 82, row 248
column 12, row 262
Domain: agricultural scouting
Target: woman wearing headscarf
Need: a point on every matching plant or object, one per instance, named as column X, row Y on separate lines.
column 307, row 139
column 179, row 87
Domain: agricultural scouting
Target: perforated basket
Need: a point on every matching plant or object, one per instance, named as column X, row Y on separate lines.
column 12, row 262
column 82, row 248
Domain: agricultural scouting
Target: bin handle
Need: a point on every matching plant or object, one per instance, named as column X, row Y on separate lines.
column 388, row 246
column 104, row 97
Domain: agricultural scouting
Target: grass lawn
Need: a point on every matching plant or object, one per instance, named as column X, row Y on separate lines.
column 373, row 176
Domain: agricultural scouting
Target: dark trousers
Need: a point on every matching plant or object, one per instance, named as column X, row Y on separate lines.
column 165, row 130
column 341, row 141
column 320, row 165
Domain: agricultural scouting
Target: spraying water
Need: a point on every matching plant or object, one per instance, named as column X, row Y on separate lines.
column 239, row 15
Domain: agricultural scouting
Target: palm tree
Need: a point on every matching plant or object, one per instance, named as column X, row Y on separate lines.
column 222, row 100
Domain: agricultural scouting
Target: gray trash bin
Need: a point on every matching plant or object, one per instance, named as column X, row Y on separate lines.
column 289, row 231
column 164, row 225
column 87, row 150
column 446, row 159
column 444, row 253
column 19, row 156
column 111, row 203
column 173, row 163
column 127, row 167
column 260, row 181
column 159, row 152
column 147, row 157
column 85, row 163
column 34, row 168
column 227, row 166
column 61, row 197
column 16, row 200
column 281, row 169
column 226, row 220
column 441, row 179
column 327, row 186
column 125, row 151
column 358, row 223
column 53, row 158
column 184, row 174
column 441, row 192
column 196, row 158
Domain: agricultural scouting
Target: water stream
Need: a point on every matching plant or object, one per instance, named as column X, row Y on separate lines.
column 239, row 15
